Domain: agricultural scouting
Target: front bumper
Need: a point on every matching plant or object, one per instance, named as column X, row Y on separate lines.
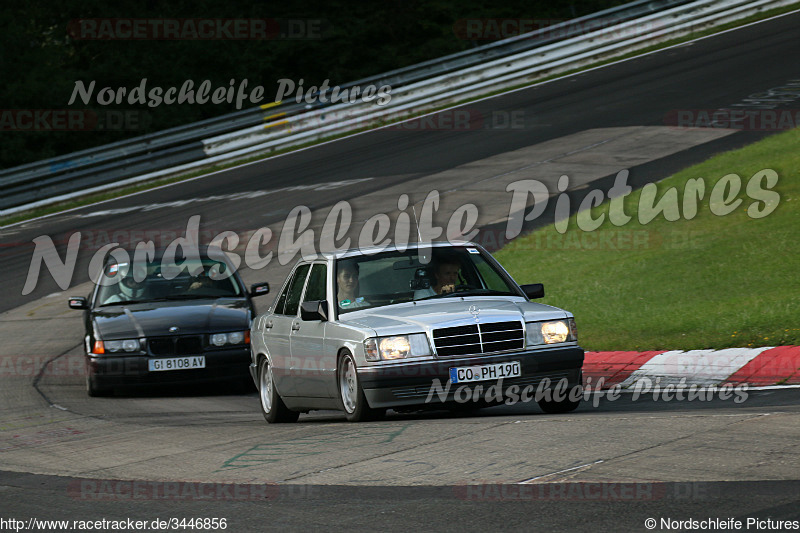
column 112, row 370
column 428, row 382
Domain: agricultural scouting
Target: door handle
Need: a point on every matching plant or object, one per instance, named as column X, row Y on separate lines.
column 268, row 324
column 295, row 326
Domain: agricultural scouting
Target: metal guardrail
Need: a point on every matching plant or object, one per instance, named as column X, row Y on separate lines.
column 442, row 90
column 414, row 88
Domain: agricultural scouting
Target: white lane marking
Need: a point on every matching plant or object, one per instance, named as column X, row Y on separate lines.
column 705, row 367
column 587, row 465
column 246, row 195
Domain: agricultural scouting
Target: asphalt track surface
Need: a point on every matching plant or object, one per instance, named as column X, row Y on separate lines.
column 751, row 472
column 718, row 452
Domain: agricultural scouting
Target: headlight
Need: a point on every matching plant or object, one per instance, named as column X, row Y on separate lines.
column 130, row 345
column 113, row 346
column 219, row 339
column 396, row 347
column 552, row 332
column 236, row 337
column 116, row 346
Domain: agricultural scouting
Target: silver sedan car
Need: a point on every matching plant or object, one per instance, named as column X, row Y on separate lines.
column 439, row 324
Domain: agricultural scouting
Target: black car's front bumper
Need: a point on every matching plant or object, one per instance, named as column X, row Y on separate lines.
column 108, row 370
column 429, row 382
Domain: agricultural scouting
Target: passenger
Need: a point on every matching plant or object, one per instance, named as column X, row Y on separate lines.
column 347, row 284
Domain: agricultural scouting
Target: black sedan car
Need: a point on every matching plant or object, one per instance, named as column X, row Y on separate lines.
column 158, row 321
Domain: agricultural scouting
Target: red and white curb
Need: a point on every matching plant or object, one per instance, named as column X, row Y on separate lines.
column 755, row 366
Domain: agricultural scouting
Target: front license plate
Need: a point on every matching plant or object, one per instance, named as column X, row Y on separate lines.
column 177, row 363
column 463, row 374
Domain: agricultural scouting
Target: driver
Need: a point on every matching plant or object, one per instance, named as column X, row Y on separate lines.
column 202, row 280
column 446, row 272
column 131, row 284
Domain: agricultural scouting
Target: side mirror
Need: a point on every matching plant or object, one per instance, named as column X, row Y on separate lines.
column 78, row 302
column 533, row 290
column 314, row 310
column 259, row 289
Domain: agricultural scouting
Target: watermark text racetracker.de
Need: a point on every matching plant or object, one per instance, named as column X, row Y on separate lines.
column 73, row 119
column 196, row 29
column 296, row 235
column 583, row 491
column 125, row 524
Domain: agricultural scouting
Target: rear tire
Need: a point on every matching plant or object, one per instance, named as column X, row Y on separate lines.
column 351, row 395
column 272, row 406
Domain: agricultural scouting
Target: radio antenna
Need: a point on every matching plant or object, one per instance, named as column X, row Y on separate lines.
column 424, row 256
column 416, row 223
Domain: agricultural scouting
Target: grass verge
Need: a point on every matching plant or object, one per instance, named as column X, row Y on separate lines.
column 709, row 281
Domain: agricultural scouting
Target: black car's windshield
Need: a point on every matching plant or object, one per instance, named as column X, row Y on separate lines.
column 125, row 283
column 438, row 272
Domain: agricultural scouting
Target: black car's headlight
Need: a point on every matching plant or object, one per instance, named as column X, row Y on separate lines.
column 117, row 346
column 236, row 337
column 551, row 332
column 396, row 347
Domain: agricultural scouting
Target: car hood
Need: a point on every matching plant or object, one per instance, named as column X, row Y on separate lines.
column 150, row 319
column 428, row 314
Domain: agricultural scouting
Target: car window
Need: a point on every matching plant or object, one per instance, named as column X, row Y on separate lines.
column 395, row 277
column 294, row 290
column 490, row 277
column 154, row 281
column 317, row 283
column 280, row 304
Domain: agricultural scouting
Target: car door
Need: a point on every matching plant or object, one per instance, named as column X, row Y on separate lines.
column 277, row 330
column 310, row 367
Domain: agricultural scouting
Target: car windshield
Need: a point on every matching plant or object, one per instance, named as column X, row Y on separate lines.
column 438, row 272
column 148, row 282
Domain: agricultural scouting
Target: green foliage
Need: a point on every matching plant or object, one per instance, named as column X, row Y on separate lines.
column 712, row 281
column 40, row 61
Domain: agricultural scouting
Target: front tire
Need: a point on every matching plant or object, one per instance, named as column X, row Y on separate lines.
column 272, row 406
column 555, row 407
column 94, row 388
column 351, row 395
column 467, row 409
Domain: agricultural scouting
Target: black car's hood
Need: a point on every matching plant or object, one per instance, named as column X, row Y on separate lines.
column 151, row 319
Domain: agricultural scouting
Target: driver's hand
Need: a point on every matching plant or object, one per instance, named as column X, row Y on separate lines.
column 196, row 285
column 448, row 288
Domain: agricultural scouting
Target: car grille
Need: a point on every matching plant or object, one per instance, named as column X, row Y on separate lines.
column 479, row 338
column 185, row 345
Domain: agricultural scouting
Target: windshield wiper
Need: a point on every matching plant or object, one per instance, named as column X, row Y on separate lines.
column 193, row 297
column 125, row 302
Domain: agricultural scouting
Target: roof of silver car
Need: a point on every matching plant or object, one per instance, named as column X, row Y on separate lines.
column 371, row 250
